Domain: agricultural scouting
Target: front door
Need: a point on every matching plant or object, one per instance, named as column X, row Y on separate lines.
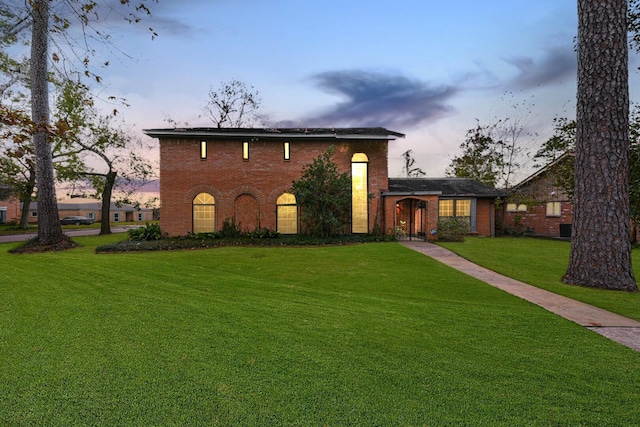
column 411, row 219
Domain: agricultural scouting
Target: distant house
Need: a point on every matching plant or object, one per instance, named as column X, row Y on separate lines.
column 539, row 205
column 9, row 205
column 212, row 175
column 92, row 208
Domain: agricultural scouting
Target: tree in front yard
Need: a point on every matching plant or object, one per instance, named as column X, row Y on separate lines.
column 97, row 149
column 600, row 247
column 324, row 196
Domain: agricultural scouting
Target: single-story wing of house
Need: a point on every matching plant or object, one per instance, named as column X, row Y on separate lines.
column 417, row 204
column 212, row 175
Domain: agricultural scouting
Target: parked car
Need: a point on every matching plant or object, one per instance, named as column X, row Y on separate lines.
column 77, row 220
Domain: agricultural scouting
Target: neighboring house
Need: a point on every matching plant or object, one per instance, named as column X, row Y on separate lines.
column 92, row 208
column 9, row 205
column 212, row 175
column 538, row 205
column 417, row 204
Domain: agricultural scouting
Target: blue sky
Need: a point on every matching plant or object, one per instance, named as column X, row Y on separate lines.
column 425, row 68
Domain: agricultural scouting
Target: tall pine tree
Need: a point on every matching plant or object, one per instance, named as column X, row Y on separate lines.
column 600, row 245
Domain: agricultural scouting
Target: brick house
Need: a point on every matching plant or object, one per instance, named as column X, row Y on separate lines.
column 538, row 204
column 210, row 175
column 92, row 208
column 9, row 205
column 417, row 204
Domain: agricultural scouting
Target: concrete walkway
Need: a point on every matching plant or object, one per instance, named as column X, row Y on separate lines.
column 615, row 327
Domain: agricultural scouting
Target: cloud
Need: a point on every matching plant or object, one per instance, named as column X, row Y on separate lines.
column 379, row 99
column 555, row 66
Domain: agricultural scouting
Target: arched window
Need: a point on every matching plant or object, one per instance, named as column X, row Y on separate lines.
column 204, row 213
column 359, row 193
column 287, row 214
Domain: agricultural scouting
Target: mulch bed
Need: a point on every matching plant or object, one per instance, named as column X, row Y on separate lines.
column 33, row 247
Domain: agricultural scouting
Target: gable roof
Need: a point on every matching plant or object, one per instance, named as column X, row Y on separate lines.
column 279, row 133
column 444, row 187
column 544, row 169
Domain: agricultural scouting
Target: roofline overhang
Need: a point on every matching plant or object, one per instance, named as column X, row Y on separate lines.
column 542, row 170
column 412, row 193
column 186, row 133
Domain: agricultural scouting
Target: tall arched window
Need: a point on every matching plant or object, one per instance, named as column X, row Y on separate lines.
column 204, row 213
column 359, row 193
column 287, row 214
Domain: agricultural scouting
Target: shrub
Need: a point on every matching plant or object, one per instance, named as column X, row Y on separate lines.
column 262, row 233
column 147, row 233
column 453, row 229
column 323, row 195
column 209, row 235
column 230, row 229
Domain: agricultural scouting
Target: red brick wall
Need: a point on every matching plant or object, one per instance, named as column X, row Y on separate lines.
column 536, row 218
column 13, row 209
column 535, row 194
column 265, row 176
column 390, row 213
column 485, row 217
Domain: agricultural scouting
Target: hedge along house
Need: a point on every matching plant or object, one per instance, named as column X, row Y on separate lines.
column 212, row 175
column 417, row 204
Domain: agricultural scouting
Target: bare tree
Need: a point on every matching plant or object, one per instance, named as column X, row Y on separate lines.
column 234, row 104
column 409, row 169
column 600, row 245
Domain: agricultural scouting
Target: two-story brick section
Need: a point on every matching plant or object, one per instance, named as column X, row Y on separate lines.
column 212, row 175
column 208, row 175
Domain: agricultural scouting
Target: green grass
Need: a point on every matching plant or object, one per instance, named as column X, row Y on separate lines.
column 372, row 334
column 542, row 263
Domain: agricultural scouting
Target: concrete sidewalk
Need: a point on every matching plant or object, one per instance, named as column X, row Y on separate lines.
column 615, row 327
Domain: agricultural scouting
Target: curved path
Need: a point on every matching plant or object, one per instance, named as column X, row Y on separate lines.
column 613, row 326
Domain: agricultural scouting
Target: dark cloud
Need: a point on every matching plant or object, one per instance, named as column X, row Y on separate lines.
column 379, row 99
column 555, row 66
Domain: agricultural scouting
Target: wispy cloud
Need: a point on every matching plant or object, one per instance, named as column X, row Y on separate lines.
column 381, row 99
column 556, row 66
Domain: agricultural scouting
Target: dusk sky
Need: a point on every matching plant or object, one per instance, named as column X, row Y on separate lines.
column 425, row 68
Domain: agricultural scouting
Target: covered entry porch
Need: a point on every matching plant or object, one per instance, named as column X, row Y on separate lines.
column 411, row 216
column 411, row 219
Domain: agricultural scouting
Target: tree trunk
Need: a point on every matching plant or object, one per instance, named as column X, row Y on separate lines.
column 49, row 228
column 600, row 247
column 25, row 197
column 109, row 182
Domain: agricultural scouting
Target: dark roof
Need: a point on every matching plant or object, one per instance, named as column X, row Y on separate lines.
column 546, row 168
column 292, row 133
column 444, row 187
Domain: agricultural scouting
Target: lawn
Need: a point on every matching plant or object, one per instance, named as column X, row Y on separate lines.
column 370, row 334
column 542, row 263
